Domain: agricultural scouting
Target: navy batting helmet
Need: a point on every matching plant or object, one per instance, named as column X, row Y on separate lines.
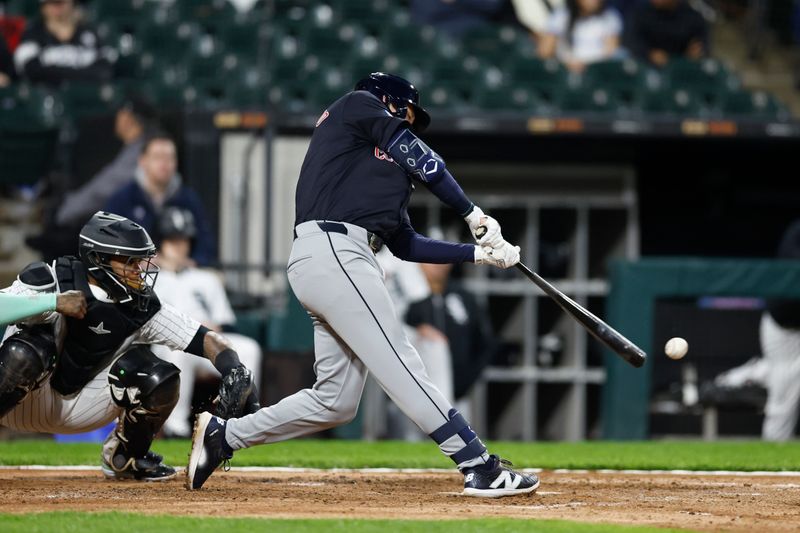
column 401, row 93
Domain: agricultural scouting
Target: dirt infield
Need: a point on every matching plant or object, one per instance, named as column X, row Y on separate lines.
column 702, row 502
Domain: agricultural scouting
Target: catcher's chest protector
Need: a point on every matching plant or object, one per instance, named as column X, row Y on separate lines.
column 93, row 341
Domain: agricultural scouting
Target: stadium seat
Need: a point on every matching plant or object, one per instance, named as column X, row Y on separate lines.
column 623, row 78
column 289, row 97
column 29, row 121
column 25, row 8
column 497, row 44
column 204, row 12
column 89, row 99
column 363, row 11
column 297, row 68
column 707, row 78
column 584, row 99
column 360, row 66
column 327, row 85
column 409, row 42
column 445, row 96
column 544, row 78
column 331, row 44
column 753, row 105
column 678, row 102
column 506, row 98
column 458, row 70
column 123, row 12
column 29, row 108
column 166, row 40
column 243, row 37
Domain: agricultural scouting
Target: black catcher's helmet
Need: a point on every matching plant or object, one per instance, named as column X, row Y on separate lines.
column 176, row 222
column 106, row 236
column 391, row 89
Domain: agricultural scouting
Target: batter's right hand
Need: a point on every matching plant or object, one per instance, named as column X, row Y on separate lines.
column 71, row 303
column 504, row 256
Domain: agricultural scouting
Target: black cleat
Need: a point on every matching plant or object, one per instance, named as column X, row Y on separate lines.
column 147, row 468
column 208, row 450
column 495, row 479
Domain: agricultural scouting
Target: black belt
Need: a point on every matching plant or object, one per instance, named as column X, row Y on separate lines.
column 373, row 240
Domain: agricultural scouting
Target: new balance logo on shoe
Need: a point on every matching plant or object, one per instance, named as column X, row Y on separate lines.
column 506, row 480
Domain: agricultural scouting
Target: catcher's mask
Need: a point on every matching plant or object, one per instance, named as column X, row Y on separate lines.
column 118, row 254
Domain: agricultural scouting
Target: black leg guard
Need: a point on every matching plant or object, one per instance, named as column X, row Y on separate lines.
column 26, row 360
column 147, row 389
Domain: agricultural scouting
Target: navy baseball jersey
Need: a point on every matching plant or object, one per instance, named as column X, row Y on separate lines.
column 346, row 175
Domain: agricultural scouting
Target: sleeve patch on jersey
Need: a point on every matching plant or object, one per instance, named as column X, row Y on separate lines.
column 322, row 118
column 37, row 276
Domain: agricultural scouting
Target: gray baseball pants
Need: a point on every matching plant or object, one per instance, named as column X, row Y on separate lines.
column 336, row 277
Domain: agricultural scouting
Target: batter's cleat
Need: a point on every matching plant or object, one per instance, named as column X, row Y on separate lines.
column 209, row 449
column 495, row 479
column 148, row 468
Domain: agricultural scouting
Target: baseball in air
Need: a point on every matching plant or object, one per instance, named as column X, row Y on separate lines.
column 676, row 348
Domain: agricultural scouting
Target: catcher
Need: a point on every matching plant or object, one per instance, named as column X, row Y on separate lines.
column 76, row 368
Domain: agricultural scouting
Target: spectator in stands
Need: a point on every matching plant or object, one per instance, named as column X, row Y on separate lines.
column 200, row 294
column 134, row 119
column 456, row 315
column 535, row 14
column 6, row 64
column 582, row 32
column 156, row 186
column 455, row 17
column 61, row 47
column 659, row 30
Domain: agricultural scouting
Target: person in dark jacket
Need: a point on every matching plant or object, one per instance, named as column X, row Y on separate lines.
column 60, row 47
column 456, row 314
column 659, row 30
column 133, row 123
column 157, row 185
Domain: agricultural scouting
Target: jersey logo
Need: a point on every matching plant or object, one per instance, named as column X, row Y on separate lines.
column 322, row 118
column 383, row 156
column 99, row 329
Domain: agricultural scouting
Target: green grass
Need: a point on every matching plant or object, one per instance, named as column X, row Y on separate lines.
column 68, row 522
column 650, row 455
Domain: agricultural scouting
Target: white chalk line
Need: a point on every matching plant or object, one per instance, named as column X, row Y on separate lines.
column 292, row 470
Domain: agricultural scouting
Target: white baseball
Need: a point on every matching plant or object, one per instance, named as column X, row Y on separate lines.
column 676, row 348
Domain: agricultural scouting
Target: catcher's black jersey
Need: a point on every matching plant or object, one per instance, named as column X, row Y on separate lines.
column 92, row 342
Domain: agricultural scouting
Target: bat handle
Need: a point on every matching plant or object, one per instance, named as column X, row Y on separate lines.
column 480, row 232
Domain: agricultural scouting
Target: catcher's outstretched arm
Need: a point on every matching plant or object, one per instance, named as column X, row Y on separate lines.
column 238, row 395
column 17, row 307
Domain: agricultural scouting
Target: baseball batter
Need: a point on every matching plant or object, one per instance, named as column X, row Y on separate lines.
column 74, row 368
column 351, row 199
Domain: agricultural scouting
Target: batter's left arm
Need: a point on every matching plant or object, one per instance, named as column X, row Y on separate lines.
column 425, row 165
column 408, row 245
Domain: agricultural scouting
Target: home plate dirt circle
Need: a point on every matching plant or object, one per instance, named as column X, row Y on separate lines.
column 700, row 502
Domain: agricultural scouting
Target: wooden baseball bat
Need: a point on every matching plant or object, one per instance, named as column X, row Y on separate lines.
column 599, row 329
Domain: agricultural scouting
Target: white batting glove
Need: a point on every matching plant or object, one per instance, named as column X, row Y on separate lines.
column 484, row 228
column 507, row 255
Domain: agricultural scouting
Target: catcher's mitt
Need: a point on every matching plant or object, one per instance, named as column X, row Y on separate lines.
column 234, row 390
